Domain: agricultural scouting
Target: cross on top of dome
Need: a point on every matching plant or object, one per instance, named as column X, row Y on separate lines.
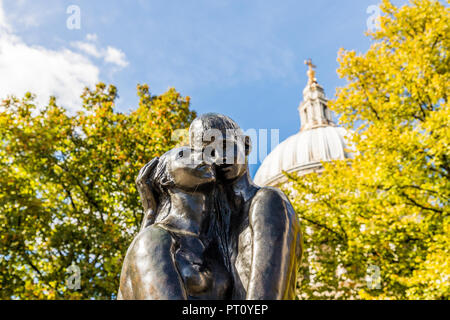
column 311, row 72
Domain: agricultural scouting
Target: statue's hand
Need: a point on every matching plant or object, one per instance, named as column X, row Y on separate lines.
column 144, row 187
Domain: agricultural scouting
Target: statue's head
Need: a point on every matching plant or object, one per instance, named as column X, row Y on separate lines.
column 176, row 168
column 221, row 141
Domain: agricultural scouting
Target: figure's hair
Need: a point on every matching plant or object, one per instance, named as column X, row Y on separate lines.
column 160, row 177
column 159, row 181
column 216, row 121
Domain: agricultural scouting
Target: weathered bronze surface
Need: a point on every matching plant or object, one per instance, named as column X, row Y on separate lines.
column 208, row 231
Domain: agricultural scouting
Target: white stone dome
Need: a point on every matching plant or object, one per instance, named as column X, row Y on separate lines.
column 318, row 140
column 303, row 153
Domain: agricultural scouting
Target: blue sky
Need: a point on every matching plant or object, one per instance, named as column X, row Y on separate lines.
column 242, row 58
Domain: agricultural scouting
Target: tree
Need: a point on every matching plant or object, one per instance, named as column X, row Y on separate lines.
column 67, row 191
column 377, row 226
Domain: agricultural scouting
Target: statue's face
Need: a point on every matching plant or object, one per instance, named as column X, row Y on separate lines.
column 186, row 173
column 231, row 161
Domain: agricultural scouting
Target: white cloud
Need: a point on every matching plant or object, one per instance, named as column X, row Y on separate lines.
column 91, row 37
column 116, row 56
column 61, row 73
column 109, row 55
column 88, row 48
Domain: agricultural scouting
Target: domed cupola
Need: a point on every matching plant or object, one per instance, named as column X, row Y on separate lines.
column 319, row 139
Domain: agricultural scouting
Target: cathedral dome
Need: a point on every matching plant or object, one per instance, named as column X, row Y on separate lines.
column 303, row 153
column 318, row 140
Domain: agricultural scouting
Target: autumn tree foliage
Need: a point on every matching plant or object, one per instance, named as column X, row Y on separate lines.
column 377, row 226
column 67, row 190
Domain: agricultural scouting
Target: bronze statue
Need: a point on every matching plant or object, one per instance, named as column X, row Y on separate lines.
column 208, row 231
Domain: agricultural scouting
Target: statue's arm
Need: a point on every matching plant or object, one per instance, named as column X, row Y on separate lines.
column 149, row 271
column 275, row 234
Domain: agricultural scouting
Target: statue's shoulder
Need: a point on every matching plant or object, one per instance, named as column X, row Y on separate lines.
column 271, row 195
column 272, row 201
column 149, row 239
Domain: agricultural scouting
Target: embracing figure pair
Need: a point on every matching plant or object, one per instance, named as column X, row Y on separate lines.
column 208, row 231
